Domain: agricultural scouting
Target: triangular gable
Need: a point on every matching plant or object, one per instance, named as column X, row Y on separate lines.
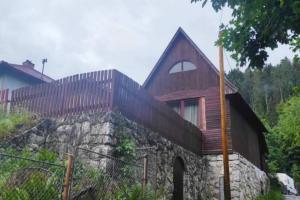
column 180, row 32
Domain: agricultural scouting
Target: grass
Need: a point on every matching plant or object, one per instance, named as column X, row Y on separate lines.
column 11, row 122
column 272, row 195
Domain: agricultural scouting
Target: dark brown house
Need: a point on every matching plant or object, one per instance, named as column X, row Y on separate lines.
column 184, row 84
column 187, row 81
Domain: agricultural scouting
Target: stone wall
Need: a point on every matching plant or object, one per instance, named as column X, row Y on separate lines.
column 102, row 133
column 246, row 180
column 166, row 154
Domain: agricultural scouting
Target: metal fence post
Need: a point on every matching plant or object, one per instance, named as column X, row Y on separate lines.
column 145, row 175
column 68, row 176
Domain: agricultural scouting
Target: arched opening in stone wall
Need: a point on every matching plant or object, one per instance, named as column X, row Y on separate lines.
column 178, row 173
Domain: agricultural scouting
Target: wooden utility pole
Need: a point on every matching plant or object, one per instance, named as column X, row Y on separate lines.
column 145, row 176
column 68, row 177
column 227, row 194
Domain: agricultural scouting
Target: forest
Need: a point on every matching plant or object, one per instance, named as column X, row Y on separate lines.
column 273, row 92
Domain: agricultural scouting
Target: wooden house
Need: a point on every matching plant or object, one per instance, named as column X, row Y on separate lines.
column 184, row 84
column 187, row 81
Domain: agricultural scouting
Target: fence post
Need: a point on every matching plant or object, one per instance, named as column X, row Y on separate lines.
column 145, row 175
column 68, row 176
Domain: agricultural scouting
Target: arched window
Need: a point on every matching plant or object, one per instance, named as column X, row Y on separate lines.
column 178, row 172
column 176, row 68
column 182, row 66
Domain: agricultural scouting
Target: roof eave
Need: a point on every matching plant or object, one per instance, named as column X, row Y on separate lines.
column 171, row 43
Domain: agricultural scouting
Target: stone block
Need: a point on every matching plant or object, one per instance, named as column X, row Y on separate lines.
column 233, row 156
column 64, row 129
column 36, row 139
column 86, row 127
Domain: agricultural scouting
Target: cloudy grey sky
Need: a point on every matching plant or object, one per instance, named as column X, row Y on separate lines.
column 86, row 35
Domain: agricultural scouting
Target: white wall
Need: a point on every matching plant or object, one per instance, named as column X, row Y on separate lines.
column 12, row 82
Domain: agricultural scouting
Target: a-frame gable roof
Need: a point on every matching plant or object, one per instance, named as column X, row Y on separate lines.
column 180, row 33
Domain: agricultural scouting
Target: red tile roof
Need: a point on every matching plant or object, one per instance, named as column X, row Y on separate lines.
column 28, row 70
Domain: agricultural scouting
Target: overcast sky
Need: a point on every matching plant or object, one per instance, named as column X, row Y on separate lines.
column 87, row 35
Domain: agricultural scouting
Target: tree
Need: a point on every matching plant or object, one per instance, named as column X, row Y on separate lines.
column 236, row 77
column 266, row 88
column 257, row 25
column 284, row 139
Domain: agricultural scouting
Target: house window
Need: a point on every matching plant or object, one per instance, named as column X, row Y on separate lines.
column 182, row 66
column 175, row 106
column 187, row 66
column 176, row 68
column 192, row 110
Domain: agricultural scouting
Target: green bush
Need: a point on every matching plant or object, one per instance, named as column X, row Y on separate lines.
column 10, row 122
column 134, row 192
column 126, row 192
column 34, row 188
column 23, row 179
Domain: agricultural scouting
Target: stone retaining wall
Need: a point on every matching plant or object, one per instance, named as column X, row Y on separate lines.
column 246, row 180
column 102, row 132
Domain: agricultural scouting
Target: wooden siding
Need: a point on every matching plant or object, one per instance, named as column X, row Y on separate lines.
column 245, row 139
column 212, row 135
column 164, row 83
column 201, row 83
column 212, row 132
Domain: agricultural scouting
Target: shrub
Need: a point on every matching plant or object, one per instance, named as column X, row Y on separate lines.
column 27, row 180
column 272, row 195
column 34, row 188
column 133, row 192
column 10, row 122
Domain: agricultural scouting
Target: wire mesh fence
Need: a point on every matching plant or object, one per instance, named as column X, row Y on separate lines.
column 90, row 175
column 22, row 177
column 151, row 171
column 99, row 176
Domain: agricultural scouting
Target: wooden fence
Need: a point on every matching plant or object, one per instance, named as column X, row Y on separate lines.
column 89, row 92
column 4, row 99
column 104, row 91
column 137, row 104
